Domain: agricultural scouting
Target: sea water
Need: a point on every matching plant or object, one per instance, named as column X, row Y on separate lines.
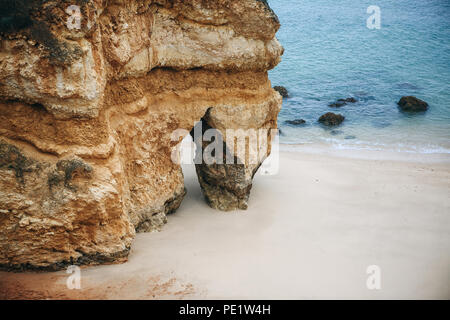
column 330, row 53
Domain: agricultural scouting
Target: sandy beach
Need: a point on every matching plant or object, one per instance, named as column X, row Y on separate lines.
column 310, row 232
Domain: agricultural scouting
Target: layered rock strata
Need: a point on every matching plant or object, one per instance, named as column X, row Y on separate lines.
column 88, row 111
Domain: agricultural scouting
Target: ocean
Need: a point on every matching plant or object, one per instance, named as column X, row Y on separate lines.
column 330, row 53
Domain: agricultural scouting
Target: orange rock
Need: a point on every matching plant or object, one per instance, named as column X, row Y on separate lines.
column 86, row 117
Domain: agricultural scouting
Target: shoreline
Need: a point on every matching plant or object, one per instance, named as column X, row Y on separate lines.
column 310, row 233
column 361, row 153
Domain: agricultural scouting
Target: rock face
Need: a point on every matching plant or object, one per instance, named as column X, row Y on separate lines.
column 412, row 104
column 331, row 119
column 88, row 111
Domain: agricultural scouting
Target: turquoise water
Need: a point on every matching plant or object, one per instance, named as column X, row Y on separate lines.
column 330, row 54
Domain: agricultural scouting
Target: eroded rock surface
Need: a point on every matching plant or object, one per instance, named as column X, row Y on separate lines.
column 87, row 115
column 226, row 173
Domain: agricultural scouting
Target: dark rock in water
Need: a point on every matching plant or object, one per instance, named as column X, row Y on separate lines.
column 281, row 133
column 295, row 122
column 337, row 104
column 349, row 137
column 331, row 119
column 412, row 104
column 342, row 102
column 407, row 85
column 348, row 100
column 282, row 90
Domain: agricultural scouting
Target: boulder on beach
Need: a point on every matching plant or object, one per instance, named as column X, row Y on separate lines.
column 412, row 104
column 331, row 119
column 342, row 102
column 282, row 90
column 295, row 122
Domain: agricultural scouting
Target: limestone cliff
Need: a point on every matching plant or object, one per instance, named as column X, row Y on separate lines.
column 88, row 106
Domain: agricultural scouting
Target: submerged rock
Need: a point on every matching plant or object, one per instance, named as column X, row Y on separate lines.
column 337, row 104
column 342, row 102
column 282, row 90
column 331, row 119
column 349, row 100
column 412, row 104
column 295, row 122
column 407, row 86
column 336, row 132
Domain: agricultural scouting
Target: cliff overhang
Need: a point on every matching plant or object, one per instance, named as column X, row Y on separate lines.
column 88, row 105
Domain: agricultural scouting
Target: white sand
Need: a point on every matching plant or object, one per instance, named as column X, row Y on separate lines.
column 310, row 232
